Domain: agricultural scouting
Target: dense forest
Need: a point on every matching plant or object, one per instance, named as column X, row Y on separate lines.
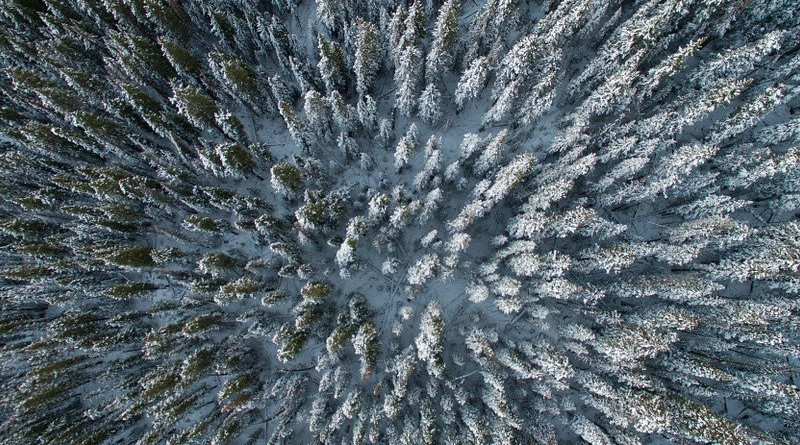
column 399, row 222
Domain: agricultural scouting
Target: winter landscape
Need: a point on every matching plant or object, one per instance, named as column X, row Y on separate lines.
column 399, row 222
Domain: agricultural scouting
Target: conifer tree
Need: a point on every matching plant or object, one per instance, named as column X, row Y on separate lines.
column 319, row 115
column 602, row 248
column 367, row 56
column 445, row 40
column 472, row 81
column 405, row 147
column 430, row 105
column 294, row 123
column 195, row 105
column 331, row 64
column 408, row 78
column 430, row 341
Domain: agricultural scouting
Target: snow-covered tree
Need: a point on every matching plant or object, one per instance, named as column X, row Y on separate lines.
column 367, row 57
column 445, row 40
column 331, row 64
column 405, row 147
column 472, row 81
column 430, row 340
column 430, row 109
column 408, row 78
column 601, row 248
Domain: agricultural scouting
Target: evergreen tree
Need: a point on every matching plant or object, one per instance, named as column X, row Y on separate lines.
column 429, row 105
column 286, row 179
column 195, row 105
column 367, row 111
column 331, row 64
column 367, row 56
column 609, row 255
column 319, row 115
column 408, row 78
column 430, row 341
column 472, row 81
column 445, row 40
column 297, row 128
column 405, row 147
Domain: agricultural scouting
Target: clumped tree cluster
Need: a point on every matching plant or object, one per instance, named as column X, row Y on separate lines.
column 399, row 222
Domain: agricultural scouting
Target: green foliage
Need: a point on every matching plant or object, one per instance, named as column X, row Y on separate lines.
column 290, row 342
column 308, row 312
column 118, row 226
column 24, row 228
column 166, row 15
column 195, row 365
column 99, row 126
column 287, row 176
column 160, row 384
column 242, row 286
column 331, row 63
column 204, row 223
column 50, row 368
column 321, row 210
column 201, row 324
column 228, row 430
column 216, row 261
column 42, row 395
column 129, row 256
column 195, row 105
column 240, row 76
column 129, row 290
column 287, row 250
column 39, row 248
column 236, row 157
column 358, row 310
column 367, row 346
column 340, row 335
column 140, row 99
column 315, row 290
column 273, row 297
column 180, row 58
column 269, row 226
column 236, row 385
column 150, row 276
column 27, row 272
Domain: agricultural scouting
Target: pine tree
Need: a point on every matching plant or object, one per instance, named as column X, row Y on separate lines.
column 366, row 345
column 281, row 92
column 405, row 147
column 472, row 81
column 331, row 64
column 330, row 11
column 430, row 341
column 297, row 128
column 282, row 41
column 490, row 156
column 319, row 115
column 408, row 79
column 230, row 125
column 304, row 76
column 414, row 26
column 367, row 56
column 286, row 179
column 433, row 153
column 236, row 159
column 395, row 32
column 195, row 105
column 367, row 111
column 445, row 40
column 429, row 105
column 618, row 260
